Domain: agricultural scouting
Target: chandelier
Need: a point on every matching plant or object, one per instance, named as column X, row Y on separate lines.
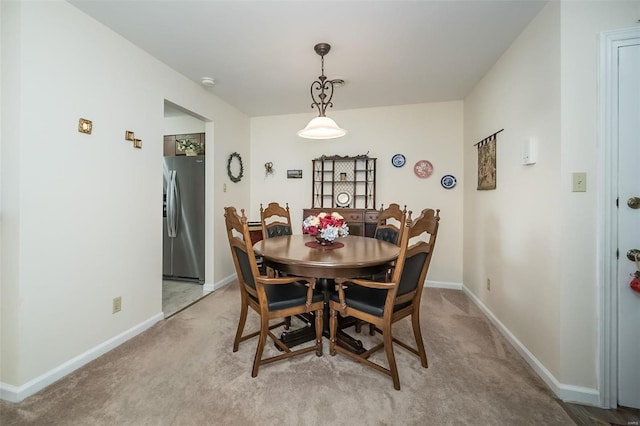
column 322, row 127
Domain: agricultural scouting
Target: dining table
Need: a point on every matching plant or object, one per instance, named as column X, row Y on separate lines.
column 347, row 257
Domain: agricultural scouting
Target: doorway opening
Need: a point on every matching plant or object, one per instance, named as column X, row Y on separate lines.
column 183, row 242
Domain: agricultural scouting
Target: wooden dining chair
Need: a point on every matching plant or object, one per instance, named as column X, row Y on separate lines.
column 391, row 222
column 384, row 303
column 276, row 220
column 272, row 298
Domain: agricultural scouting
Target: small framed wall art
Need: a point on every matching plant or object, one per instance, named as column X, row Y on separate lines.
column 85, row 126
column 294, row 174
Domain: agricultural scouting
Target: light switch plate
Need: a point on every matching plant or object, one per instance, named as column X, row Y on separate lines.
column 530, row 152
column 579, row 182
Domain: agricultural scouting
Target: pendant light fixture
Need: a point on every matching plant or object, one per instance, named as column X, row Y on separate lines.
column 322, row 127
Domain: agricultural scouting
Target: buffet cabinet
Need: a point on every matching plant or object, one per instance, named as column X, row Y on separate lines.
column 361, row 222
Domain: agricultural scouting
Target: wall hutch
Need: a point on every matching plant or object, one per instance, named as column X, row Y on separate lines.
column 346, row 185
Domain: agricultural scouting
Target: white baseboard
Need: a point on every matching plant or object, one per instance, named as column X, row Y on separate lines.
column 443, row 284
column 18, row 393
column 567, row 393
column 208, row 288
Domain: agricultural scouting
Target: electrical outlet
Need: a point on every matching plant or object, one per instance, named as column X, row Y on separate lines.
column 488, row 284
column 117, row 304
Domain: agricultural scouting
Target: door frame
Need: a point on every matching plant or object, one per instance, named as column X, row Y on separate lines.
column 607, row 151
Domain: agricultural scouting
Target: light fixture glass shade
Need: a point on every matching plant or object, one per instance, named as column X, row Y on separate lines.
column 322, row 128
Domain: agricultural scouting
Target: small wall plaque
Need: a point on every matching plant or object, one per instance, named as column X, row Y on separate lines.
column 85, row 126
column 294, row 174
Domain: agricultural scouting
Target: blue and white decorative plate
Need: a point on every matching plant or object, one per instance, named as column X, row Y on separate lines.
column 398, row 160
column 448, row 181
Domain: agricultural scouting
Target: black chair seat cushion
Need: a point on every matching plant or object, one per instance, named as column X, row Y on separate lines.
column 369, row 300
column 365, row 299
column 380, row 277
column 372, row 300
column 283, row 296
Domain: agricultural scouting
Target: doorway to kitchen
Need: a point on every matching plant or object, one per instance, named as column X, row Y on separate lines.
column 183, row 243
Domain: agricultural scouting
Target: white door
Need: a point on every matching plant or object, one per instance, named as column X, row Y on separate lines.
column 629, row 223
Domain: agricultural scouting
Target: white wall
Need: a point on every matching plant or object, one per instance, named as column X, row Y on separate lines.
column 532, row 236
column 183, row 124
column 82, row 214
column 421, row 132
column 512, row 232
column 581, row 23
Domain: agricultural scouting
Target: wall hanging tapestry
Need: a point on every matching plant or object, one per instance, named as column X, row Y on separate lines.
column 487, row 162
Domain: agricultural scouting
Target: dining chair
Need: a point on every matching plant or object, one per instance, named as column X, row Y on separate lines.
column 391, row 222
column 271, row 298
column 384, row 303
column 276, row 220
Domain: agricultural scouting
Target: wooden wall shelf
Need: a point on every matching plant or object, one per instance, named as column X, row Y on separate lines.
column 344, row 182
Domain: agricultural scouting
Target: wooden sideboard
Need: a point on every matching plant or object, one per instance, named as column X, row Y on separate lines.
column 361, row 222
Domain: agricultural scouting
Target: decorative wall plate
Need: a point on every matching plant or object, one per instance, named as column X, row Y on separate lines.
column 448, row 181
column 398, row 160
column 343, row 199
column 423, row 169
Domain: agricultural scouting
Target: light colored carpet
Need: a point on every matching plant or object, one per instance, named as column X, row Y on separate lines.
column 182, row 372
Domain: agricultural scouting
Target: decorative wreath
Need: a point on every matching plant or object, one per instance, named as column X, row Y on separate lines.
column 231, row 176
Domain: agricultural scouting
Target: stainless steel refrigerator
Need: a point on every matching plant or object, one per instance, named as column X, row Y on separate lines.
column 183, row 218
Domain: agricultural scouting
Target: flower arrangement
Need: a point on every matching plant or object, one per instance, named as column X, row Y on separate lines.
column 325, row 226
column 187, row 144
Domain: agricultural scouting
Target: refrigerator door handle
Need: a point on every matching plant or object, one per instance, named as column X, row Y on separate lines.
column 172, row 211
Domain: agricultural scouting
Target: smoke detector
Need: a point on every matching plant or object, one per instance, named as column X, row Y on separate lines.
column 208, row 81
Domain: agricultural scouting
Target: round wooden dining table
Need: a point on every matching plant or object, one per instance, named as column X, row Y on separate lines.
column 349, row 257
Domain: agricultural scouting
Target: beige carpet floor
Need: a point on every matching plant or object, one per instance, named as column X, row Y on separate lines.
column 182, row 372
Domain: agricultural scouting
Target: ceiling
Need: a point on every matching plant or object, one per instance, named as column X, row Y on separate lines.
column 261, row 55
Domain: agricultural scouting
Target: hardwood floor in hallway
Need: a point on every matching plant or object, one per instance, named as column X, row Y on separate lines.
column 585, row 415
